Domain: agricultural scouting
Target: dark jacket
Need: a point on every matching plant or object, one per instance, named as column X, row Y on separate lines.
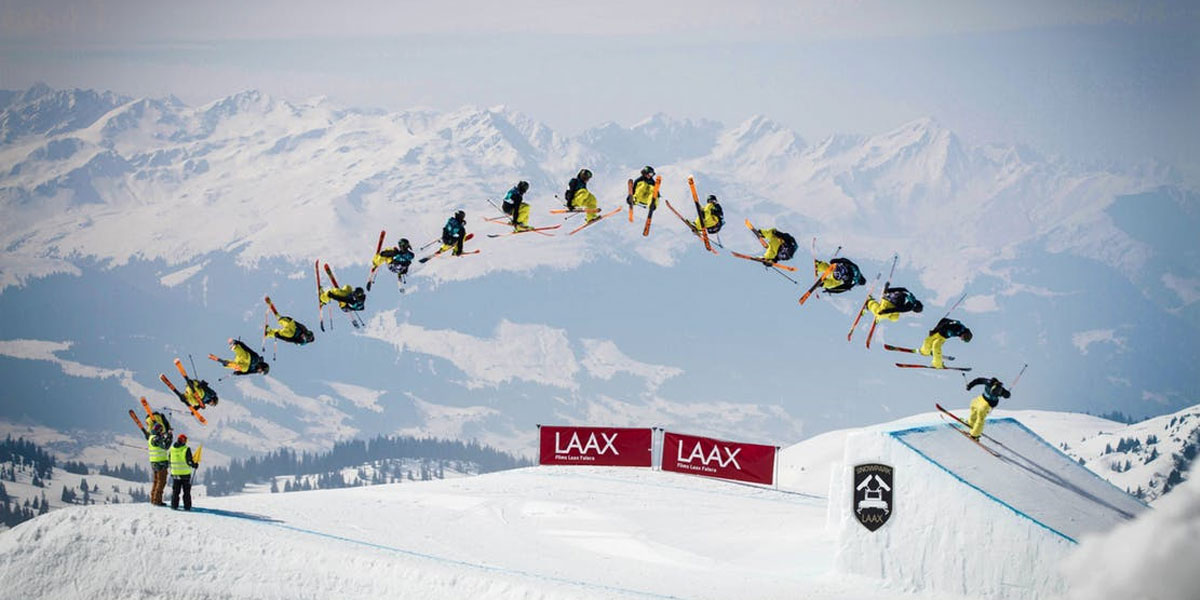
column 948, row 328
column 993, row 390
column 902, row 300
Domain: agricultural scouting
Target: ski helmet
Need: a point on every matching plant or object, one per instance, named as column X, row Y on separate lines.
column 403, row 243
column 584, row 174
column 522, row 186
column 460, row 216
column 966, row 336
column 182, row 438
column 918, row 307
column 264, row 368
column 711, row 198
column 307, row 337
column 647, row 170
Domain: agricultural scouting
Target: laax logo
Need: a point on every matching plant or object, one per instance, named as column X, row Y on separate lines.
column 721, row 454
column 592, row 444
column 873, row 485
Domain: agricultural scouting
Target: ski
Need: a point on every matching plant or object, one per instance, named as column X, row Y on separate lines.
column 863, row 308
column 653, row 205
column 138, row 422
column 594, row 221
column 541, row 230
column 757, row 236
column 375, row 267
column 821, row 277
column 690, row 227
column 320, row 306
column 966, row 432
column 182, row 371
column 442, row 250
column 630, row 200
column 911, row 351
column 875, row 321
column 699, row 214
column 912, row 366
column 764, row 262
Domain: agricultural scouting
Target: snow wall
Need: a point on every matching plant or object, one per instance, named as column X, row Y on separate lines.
column 965, row 522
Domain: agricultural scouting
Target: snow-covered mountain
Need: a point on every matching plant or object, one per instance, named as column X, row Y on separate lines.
column 136, row 230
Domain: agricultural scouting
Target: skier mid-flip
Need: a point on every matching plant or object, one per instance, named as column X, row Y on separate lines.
column 578, row 197
column 289, row 330
column 516, row 207
column 643, row 190
column 945, row 329
column 245, row 361
column 454, row 233
column 781, row 246
column 843, row 276
column 983, row 404
column 894, row 302
column 398, row 258
column 713, row 216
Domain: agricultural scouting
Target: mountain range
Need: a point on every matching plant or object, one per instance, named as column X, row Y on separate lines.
column 141, row 229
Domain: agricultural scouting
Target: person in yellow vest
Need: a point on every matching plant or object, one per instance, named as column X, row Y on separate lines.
column 158, row 439
column 983, row 404
column 181, row 473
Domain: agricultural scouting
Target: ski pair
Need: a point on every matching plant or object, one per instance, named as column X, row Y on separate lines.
column 911, row 351
column 182, row 397
column 443, row 249
column 943, row 368
column 965, row 430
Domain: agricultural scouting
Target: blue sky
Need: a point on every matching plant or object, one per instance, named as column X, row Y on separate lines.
column 1093, row 81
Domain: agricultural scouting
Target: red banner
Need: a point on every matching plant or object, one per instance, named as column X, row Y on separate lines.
column 596, row 446
column 708, row 457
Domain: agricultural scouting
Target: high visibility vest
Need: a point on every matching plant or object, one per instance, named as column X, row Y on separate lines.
column 157, row 454
column 179, row 464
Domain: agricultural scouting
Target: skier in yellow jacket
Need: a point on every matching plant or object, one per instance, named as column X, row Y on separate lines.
column 896, row 300
column 713, row 215
column 245, row 361
column 983, row 404
column 781, row 245
column 643, row 190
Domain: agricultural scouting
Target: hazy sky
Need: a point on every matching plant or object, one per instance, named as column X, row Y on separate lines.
column 1091, row 80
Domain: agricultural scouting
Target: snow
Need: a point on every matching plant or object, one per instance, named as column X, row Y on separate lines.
column 963, row 527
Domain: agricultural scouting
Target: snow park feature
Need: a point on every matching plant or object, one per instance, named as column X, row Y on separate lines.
column 963, row 521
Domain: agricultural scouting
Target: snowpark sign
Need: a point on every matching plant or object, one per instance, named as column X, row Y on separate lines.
column 596, row 446
column 709, row 457
column 872, row 494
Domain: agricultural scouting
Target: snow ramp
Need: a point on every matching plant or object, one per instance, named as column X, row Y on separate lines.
column 959, row 519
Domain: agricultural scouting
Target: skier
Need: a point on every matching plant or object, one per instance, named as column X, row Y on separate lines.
column 515, row 206
column 843, row 278
column 398, row 258
column 348, row 298
column 579, row 198
column 781, row 246
column 643, row 190
column 714, row 216
column 983, row 404
column 895, row 300
column 944, row 330
column 290, row 330
column 454, row 233
column 197, row 394
column 158, row 439
column 245, row 361
column 181, row 473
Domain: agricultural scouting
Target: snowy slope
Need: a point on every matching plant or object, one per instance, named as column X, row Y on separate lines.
column 543, row 532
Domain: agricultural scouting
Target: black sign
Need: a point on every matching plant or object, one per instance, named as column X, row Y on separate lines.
column 873, row 485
